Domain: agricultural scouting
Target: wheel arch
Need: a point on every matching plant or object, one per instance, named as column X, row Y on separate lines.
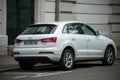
column 71, row 48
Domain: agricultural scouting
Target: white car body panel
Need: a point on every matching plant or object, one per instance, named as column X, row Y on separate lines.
column 85, row 46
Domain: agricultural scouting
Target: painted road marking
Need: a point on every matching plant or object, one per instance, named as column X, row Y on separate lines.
column 18, row 77
column 35, row 74
column 22, row 73
column 49, row 74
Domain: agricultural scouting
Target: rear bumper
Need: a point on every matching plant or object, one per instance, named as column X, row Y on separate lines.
column 32, row 54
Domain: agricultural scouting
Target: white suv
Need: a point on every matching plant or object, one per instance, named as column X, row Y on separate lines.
column 63, row 43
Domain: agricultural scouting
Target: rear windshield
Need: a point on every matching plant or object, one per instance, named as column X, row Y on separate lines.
column 40, row 29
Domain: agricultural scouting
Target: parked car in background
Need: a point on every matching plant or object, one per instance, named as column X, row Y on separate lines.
column 62, row 43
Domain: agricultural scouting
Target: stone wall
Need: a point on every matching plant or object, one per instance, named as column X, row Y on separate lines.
column 114, row 20
column 3, row 36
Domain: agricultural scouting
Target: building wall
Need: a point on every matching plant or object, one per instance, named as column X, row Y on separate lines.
column 102, row 15
column 39, row 10
column 3, row 36
column 114, row 20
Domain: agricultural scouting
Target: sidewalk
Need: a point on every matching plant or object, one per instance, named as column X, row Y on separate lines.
column 8, row 62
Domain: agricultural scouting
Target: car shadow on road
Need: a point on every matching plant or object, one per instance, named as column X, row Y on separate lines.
column 55, row 68
column 41, row 68
column 87, row 64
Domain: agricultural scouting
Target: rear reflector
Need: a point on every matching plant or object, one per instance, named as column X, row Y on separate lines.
column 46, row 53
column 50, row 39
column 18, row 41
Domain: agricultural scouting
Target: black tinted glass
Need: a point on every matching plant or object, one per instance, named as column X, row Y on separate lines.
column 40, row 29
column 87, row 30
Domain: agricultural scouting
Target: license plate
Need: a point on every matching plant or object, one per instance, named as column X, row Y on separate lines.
column 30, row 42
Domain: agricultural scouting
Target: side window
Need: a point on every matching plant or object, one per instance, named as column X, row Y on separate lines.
column 87, row 30
column 72, row 29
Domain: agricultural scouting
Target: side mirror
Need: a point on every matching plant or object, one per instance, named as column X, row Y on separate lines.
column 97, row 33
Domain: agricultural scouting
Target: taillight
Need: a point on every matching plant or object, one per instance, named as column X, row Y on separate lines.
column 18, row 41
column 49, row 39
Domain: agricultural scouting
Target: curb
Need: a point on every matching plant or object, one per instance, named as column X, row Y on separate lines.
column 8, row 69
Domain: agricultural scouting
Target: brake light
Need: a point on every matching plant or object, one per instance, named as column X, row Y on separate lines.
column 18, row 41
column 50, row 39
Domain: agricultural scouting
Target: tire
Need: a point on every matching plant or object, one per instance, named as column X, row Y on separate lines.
column 67, row 60
column 109, row 56
column 26, row 65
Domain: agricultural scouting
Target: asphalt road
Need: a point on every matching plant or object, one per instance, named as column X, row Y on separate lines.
column 82, row 71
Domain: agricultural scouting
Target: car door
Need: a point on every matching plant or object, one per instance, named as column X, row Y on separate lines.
column 94, row 42
column 77, row 39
